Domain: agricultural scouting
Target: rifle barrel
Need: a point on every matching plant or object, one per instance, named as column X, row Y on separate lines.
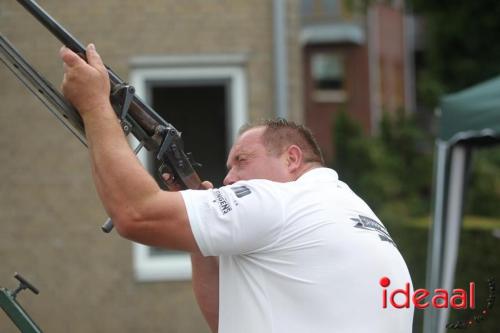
column 53, row 26
column 148, row 119
column 138, row 112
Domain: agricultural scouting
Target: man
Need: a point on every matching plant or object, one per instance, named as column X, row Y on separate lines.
column 284, row 246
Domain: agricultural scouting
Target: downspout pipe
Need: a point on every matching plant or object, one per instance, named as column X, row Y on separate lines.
column 280, row 59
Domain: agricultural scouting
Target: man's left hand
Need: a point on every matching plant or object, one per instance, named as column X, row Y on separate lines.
column 85, row 85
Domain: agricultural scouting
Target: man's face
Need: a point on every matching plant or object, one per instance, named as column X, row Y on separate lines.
column 249, row 159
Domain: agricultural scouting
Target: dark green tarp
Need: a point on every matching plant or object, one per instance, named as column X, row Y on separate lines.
column 471, row 113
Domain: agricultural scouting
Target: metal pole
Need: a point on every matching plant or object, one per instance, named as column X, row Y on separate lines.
column 280, row 58
column 434, row 253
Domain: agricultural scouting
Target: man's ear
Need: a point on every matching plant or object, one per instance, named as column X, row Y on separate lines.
column 294, row 158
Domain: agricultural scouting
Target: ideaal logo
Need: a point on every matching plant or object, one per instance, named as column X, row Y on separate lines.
column 459, row 299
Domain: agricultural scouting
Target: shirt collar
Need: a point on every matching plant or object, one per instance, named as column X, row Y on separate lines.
column 319, row 174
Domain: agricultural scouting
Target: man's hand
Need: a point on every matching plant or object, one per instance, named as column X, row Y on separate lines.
column 174, row 186
column 85, row 85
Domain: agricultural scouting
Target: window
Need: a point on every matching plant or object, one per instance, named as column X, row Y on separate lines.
column 205, row 99
column 200, row 111
column 328, row 76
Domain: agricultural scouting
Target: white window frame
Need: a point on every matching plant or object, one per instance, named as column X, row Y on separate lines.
column 224, row 68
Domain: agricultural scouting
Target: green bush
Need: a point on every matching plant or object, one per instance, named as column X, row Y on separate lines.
column 391, row 171
column 483, row 190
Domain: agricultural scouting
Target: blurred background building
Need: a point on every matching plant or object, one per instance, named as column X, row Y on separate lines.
column 357, row 59
column 207, row 67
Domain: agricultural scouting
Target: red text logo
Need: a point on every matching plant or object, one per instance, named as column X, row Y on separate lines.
column 439, row 298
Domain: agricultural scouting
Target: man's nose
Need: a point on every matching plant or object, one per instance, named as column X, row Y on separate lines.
column 230, row 179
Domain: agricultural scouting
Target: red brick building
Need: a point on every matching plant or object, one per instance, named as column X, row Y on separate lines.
column 353, row 60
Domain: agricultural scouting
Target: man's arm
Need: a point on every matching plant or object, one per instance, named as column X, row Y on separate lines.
column 141, row 211
column 206, row 287
column 205, row 273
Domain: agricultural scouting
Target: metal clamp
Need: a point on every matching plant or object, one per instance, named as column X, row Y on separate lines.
column 125, row 92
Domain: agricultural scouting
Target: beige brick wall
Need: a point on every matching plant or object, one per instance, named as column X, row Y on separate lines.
column 49, row 211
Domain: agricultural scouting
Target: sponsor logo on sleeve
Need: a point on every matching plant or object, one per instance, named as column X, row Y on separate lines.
column 367, row 223
column 241, row 191
column 221, row 200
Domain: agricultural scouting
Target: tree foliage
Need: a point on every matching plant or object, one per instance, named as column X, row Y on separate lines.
column 460, row 48
column 392, row 171
column 483, row 188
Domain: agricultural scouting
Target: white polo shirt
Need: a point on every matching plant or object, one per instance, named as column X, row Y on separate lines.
column 304, row 256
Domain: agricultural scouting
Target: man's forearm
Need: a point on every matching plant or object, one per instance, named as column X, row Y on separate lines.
column 140, row 210
column 121, row 181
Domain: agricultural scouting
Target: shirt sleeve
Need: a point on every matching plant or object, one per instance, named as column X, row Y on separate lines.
column 242, row 218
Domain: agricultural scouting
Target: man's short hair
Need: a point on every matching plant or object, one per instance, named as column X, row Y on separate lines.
column 280, row 133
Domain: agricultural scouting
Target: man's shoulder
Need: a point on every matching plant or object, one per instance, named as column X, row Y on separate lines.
column 312, row 179
column 260, row 187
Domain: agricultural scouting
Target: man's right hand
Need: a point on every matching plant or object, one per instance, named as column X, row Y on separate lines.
column 174, row 186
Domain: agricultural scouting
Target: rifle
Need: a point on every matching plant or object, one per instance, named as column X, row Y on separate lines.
column 136, row 117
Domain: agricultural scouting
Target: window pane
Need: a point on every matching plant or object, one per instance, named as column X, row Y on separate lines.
column 200, row 111
column 328, row 71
